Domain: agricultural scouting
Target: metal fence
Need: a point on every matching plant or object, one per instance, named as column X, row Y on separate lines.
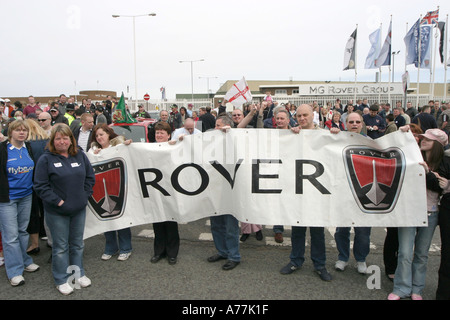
column 166, row 104
column 323, row 100
column 293, row 99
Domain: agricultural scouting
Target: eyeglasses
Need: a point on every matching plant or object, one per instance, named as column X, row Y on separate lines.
column 42, row 120
column 352, row 122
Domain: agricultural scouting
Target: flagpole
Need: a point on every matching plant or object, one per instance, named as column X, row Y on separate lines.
column 405, row 94
column 356, row 59
column 379, row 80
column 356, row 72
column 390, row 57
column 418, row 63
column 434, row 61
column 433, row 57
column 379, row 90
column 445, row 59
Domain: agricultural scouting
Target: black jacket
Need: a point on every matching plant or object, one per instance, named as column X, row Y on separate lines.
column 76, row 134
column 444, row 171
column 208, row 121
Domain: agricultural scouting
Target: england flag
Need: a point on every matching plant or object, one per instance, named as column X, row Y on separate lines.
column 239, row 94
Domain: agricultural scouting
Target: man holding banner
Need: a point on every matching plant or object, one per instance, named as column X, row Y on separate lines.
column 361, row 242
column 225, row 228
column 305, row 117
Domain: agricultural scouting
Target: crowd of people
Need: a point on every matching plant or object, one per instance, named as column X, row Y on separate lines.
column 48, row 146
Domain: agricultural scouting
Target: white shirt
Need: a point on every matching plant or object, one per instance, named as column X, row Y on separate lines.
column 181, row 131
column 83, row 139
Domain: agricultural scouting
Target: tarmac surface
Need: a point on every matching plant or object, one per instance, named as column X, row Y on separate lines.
column 193, row 281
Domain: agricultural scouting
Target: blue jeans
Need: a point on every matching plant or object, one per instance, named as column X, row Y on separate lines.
column 14, row 219
column 414, row 244
column 298, row 239
column 68, row 245
column 278, row 229
column 119, row 240
column 361, row 243
column 225, row 231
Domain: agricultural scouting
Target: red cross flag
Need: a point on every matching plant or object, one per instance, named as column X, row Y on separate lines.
column 239, row 94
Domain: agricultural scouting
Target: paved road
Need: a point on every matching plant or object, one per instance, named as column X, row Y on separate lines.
column 193, row 278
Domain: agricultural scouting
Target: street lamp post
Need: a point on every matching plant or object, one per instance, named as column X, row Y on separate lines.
column 393, row 66
column 192, row 75
column 207, row 83
column 134, row 43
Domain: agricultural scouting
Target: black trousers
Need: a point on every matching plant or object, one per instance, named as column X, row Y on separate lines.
column 36, row 224
column 390, row 250
column 167, row 239
column 443, row 289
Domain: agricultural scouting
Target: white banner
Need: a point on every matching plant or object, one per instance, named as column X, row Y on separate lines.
column 262, row 176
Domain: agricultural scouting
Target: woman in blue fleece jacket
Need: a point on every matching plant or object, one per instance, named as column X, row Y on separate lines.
column 63, row 180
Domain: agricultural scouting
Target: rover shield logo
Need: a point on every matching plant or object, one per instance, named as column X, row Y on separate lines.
column 375, row 177
column 110, row 190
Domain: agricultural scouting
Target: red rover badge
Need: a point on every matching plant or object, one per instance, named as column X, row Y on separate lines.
column 110, row 190
column 375, row 177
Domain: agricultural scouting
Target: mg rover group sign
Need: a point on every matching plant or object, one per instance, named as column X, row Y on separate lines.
column 262, row 176
column 350, row 89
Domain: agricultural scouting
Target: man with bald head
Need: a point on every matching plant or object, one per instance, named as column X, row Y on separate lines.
column 305, row 117
column 354, row 122
column 45, row 121
column 187, row 129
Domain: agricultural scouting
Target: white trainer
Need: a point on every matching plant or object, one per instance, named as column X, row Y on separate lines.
column 340, row 265
column 362, row 267
column 65, row 288
column 124, row 256
column 106, row 256
column 84, row 282
column 17, row 281
column 32, row 267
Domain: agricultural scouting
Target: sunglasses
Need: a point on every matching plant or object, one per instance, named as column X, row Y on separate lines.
column 352, row 122
column 42, row 120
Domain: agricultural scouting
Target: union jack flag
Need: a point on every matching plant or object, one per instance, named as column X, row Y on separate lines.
column 430, row 18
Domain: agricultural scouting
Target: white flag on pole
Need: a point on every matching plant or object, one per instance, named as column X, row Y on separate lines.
column 384, row 58
column 375, row 41
column 239, row 94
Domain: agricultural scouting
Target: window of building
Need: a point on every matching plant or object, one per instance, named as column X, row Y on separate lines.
column 280, row 91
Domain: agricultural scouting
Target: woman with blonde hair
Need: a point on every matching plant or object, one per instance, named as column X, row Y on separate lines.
column 16, row 188
column 335, row 122
column 38, row 138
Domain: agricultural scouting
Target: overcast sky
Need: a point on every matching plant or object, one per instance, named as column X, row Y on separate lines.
column 57, row 46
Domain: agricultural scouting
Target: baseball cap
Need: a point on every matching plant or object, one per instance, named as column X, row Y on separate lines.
column 436, row 135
